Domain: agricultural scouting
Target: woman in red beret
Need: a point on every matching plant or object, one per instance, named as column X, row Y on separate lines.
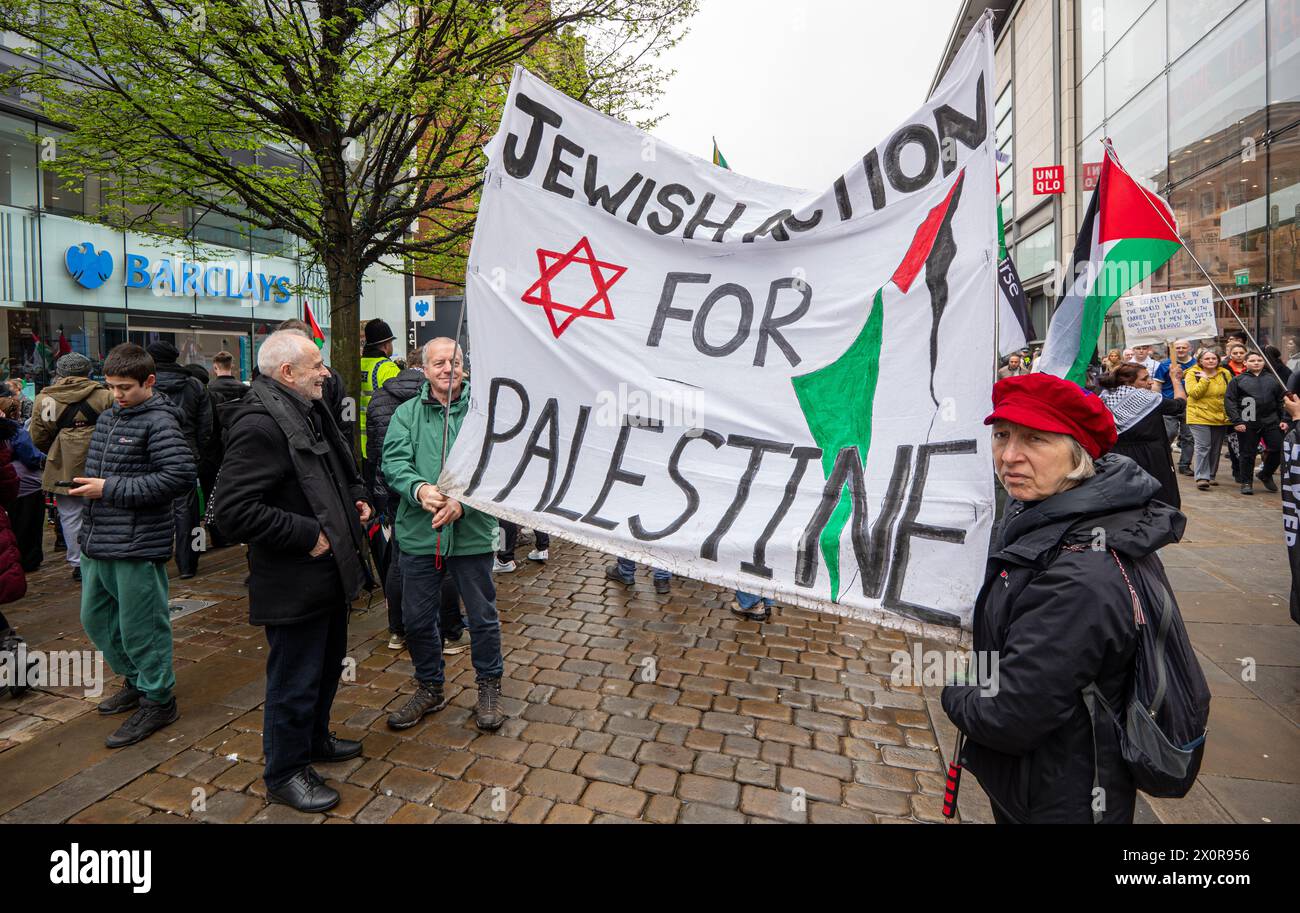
column 1058, row 609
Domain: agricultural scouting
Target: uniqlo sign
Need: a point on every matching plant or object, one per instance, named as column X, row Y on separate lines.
column 1091, row 175
column 1049, row 180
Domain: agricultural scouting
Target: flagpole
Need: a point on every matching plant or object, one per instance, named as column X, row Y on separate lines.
column 1114, row 157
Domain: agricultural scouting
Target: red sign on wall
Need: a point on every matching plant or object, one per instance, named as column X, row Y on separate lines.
column 1049, row 180
column 1091, row 175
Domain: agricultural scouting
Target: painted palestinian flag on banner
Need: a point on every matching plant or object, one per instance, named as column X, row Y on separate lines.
column 837, row 400
column 1128, row 233
column 317, row 336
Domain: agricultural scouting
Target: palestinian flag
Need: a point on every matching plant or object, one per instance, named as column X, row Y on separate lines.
column 42, row 350
column 316, row 335
column 1015, row 324
column 717, row 156
column 1127, row 234
column 837, row 400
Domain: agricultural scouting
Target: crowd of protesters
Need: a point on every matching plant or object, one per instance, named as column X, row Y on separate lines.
column 130, row 463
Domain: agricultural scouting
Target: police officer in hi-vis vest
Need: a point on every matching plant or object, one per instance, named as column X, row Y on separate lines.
column 377, row 368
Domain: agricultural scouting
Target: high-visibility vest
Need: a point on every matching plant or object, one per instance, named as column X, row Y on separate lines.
column 374, row 375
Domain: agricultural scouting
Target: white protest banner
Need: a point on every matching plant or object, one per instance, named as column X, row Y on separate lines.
column 1181, row 314
column 771, row 389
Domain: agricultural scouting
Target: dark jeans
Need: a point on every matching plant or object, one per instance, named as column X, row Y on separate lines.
column 421, row 601
column 450, row 622
column 1248, row 441
column 185, row 517
column 302, row 677
column 510, row 538
column 27, row 517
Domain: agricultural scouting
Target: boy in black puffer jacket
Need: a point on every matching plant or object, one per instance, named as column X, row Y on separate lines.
column 139, row 463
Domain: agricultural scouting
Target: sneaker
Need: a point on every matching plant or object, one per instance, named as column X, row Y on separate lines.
column 663, row 587
column 396, row 642
column 502, row 567
column 539, row 554
column 488, row 714
column 1186, row 470
column 457, row 644
column 1247, row 489
column 151, row 717
column 613, row 573
column 1267, row 480
column 760, row 612
column 126, row 699
column 426, row 699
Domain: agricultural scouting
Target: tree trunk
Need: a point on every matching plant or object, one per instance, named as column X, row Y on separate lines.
column 345, row 341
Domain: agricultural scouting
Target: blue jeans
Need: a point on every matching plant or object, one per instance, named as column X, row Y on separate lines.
column 749, row 600
column 302, row 677
column 628, row 569
column 422, row 602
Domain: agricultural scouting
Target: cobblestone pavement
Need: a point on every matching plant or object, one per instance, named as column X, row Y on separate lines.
column 628, row 706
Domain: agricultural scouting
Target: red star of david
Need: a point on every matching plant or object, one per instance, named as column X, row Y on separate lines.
column 551, row 263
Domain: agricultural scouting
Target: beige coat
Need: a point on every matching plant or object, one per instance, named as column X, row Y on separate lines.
column 66, row 450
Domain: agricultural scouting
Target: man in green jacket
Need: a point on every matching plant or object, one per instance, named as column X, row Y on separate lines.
column 438, row 535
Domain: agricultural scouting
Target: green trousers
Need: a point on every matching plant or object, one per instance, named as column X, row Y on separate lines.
column 124, row 610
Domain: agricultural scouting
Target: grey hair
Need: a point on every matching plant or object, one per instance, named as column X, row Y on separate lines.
column 283, row 347
column 1083, row 465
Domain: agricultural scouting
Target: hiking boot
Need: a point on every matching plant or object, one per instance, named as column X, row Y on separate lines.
column 306, row 791
column 426, row 699
column 1247, row 488
column 126, row 699
column 1267, row 480
column 458, row 644
column 613, row 573
column 663, row 586
column 151, row 717
column 488, row 714
column 396, row 642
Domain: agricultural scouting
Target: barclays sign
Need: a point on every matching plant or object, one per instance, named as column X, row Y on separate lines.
column 177, row 277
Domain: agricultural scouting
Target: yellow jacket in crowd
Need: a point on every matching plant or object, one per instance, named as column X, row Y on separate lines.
column 1205, row 396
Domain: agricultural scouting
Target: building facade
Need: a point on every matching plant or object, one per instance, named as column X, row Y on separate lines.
column 1201, row 99
column 68, row 283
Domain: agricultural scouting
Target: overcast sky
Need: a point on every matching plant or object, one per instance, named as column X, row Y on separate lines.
column 795, row 91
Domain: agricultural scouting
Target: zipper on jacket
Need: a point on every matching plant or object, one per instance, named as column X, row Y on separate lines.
column 90, row 533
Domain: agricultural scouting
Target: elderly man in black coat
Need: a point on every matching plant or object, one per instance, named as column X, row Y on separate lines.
column 290, row 489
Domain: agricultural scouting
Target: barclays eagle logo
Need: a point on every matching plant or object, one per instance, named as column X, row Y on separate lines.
column 90, row 268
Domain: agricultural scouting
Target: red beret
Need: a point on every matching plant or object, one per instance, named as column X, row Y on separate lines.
column 1049, row 403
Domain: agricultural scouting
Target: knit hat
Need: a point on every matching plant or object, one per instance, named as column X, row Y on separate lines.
column 74, row 364
column 163, row 352
column 1048, row 403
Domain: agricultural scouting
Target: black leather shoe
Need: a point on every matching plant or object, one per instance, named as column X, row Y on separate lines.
column 151, row 717
column 336, row 749
column 305, row 791
column 126, row 699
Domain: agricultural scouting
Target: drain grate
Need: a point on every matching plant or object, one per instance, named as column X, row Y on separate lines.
column 179, row 608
